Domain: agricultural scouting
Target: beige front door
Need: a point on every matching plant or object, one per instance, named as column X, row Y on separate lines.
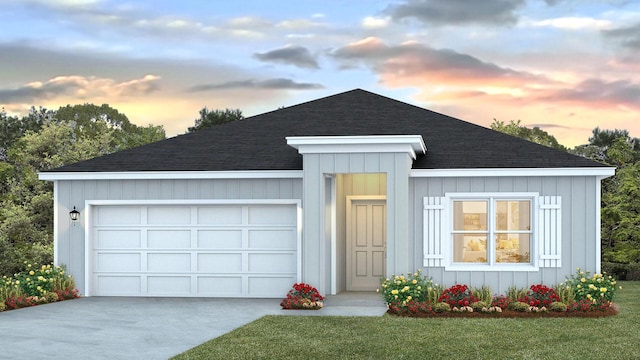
column 366, row 243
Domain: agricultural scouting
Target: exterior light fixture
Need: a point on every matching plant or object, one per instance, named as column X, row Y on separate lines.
column 74, row 214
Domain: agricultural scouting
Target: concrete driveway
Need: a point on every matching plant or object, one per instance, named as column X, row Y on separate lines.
column 123, row 328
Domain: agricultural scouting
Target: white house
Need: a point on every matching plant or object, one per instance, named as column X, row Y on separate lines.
column 336, row 192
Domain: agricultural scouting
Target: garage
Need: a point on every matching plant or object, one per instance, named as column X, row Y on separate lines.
column 193, row 250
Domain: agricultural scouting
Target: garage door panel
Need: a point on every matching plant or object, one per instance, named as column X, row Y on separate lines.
column 231, row 250
column 168, row 263
column 220, row 263
column 118, row 262
column 272, row 215
column 272, row 263
column 220, row 286
column 119, row 285
column 118, row 239
column 220, row 215
column 272, row 239
column 269, row 286
column 169, row 239
column 219, row 239
column 169, row 285
column 169, row 215
column 118, row 215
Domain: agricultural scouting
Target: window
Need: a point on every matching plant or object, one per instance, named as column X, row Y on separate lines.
column 491, row 231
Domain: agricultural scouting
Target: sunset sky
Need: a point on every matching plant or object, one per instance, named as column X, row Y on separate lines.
column 566, row 66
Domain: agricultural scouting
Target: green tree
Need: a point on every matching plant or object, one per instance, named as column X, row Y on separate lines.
column 73, row 134
column 215, row 117
column 12, row 127
column 602, row 142
column 535, row 134
column 90, row 119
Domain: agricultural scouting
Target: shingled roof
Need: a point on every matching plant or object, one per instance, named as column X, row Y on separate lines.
column 258, row 142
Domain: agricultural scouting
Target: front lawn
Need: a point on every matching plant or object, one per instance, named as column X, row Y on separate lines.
column 295, row 337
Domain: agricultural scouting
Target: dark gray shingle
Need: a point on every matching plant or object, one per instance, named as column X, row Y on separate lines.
column 258, row 142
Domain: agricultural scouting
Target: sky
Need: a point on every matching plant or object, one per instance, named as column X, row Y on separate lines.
column 566, row 66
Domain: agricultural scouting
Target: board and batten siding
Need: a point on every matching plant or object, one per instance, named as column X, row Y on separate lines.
column 578, row 194
column 70, row 193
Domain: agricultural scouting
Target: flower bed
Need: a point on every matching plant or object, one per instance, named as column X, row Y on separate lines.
column 302, row 297
column 36, row 285
column 582, row 295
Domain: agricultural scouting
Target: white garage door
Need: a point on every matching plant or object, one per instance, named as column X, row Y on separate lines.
column 227, row 250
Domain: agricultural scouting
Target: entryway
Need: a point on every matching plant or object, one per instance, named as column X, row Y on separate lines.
column 366, row 241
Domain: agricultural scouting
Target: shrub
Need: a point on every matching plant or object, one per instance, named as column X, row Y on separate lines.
column 3, row 307
column 482, row 293
column 411, row 308
column 501, row 301
column 302, row 296
column 539, row 296
column 441, row 307
column 401, row 289
column 558, row 306
column 599, row 289
column 9, row 288
column 67, row 294
column 51, row 297
column 433, row 293
column 457, row 295
column 479, row 305
column 565, row 293
column 24, row 301
column 37, row 281
column 515, row 293
column 519, row 306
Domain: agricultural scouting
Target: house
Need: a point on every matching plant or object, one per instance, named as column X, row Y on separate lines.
column 336, row 192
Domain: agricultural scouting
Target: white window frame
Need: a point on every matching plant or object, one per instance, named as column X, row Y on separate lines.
column 491, row 265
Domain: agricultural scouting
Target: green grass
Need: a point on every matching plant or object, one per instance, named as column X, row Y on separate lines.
column 297, row 337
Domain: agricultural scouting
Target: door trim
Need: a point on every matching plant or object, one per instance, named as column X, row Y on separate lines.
column 349, row 203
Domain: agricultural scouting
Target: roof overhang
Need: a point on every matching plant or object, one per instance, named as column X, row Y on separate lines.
column 411, row 144
column 171, row 175
column 600, row 172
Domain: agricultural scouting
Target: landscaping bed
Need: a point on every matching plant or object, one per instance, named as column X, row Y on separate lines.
column 610, row 311
column 36, row 285
column 582, row 295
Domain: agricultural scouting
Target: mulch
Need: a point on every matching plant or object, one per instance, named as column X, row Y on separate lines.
column 610, row 311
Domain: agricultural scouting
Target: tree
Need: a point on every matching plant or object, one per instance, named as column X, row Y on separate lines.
column 72, row 134
column 90, row 119
column 12, row 128
column 535, row 134
column 216, row 117
column 604, row 146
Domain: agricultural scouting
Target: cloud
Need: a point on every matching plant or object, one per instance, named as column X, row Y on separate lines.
column 628, row 36
column 457, row 12
column 290, row 55
column 414, row 64
column 269, row 84
column 596, row 93
column 80, row 87
column 573, row 23
column 371, row 22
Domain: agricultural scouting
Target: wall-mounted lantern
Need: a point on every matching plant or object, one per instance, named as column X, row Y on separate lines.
column 74, row 214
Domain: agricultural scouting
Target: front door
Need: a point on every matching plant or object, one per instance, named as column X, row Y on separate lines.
column 366, row 243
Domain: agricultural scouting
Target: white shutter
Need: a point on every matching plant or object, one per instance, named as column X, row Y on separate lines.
column 550, row 231
column 434, row 231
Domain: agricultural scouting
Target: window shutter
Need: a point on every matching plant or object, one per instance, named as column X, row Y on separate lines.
column 550, row 231
column 434, row 231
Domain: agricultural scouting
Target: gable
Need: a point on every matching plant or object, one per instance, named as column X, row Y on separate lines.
column 259, row 142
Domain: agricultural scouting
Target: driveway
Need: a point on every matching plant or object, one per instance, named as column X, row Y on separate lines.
column 123, row 328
